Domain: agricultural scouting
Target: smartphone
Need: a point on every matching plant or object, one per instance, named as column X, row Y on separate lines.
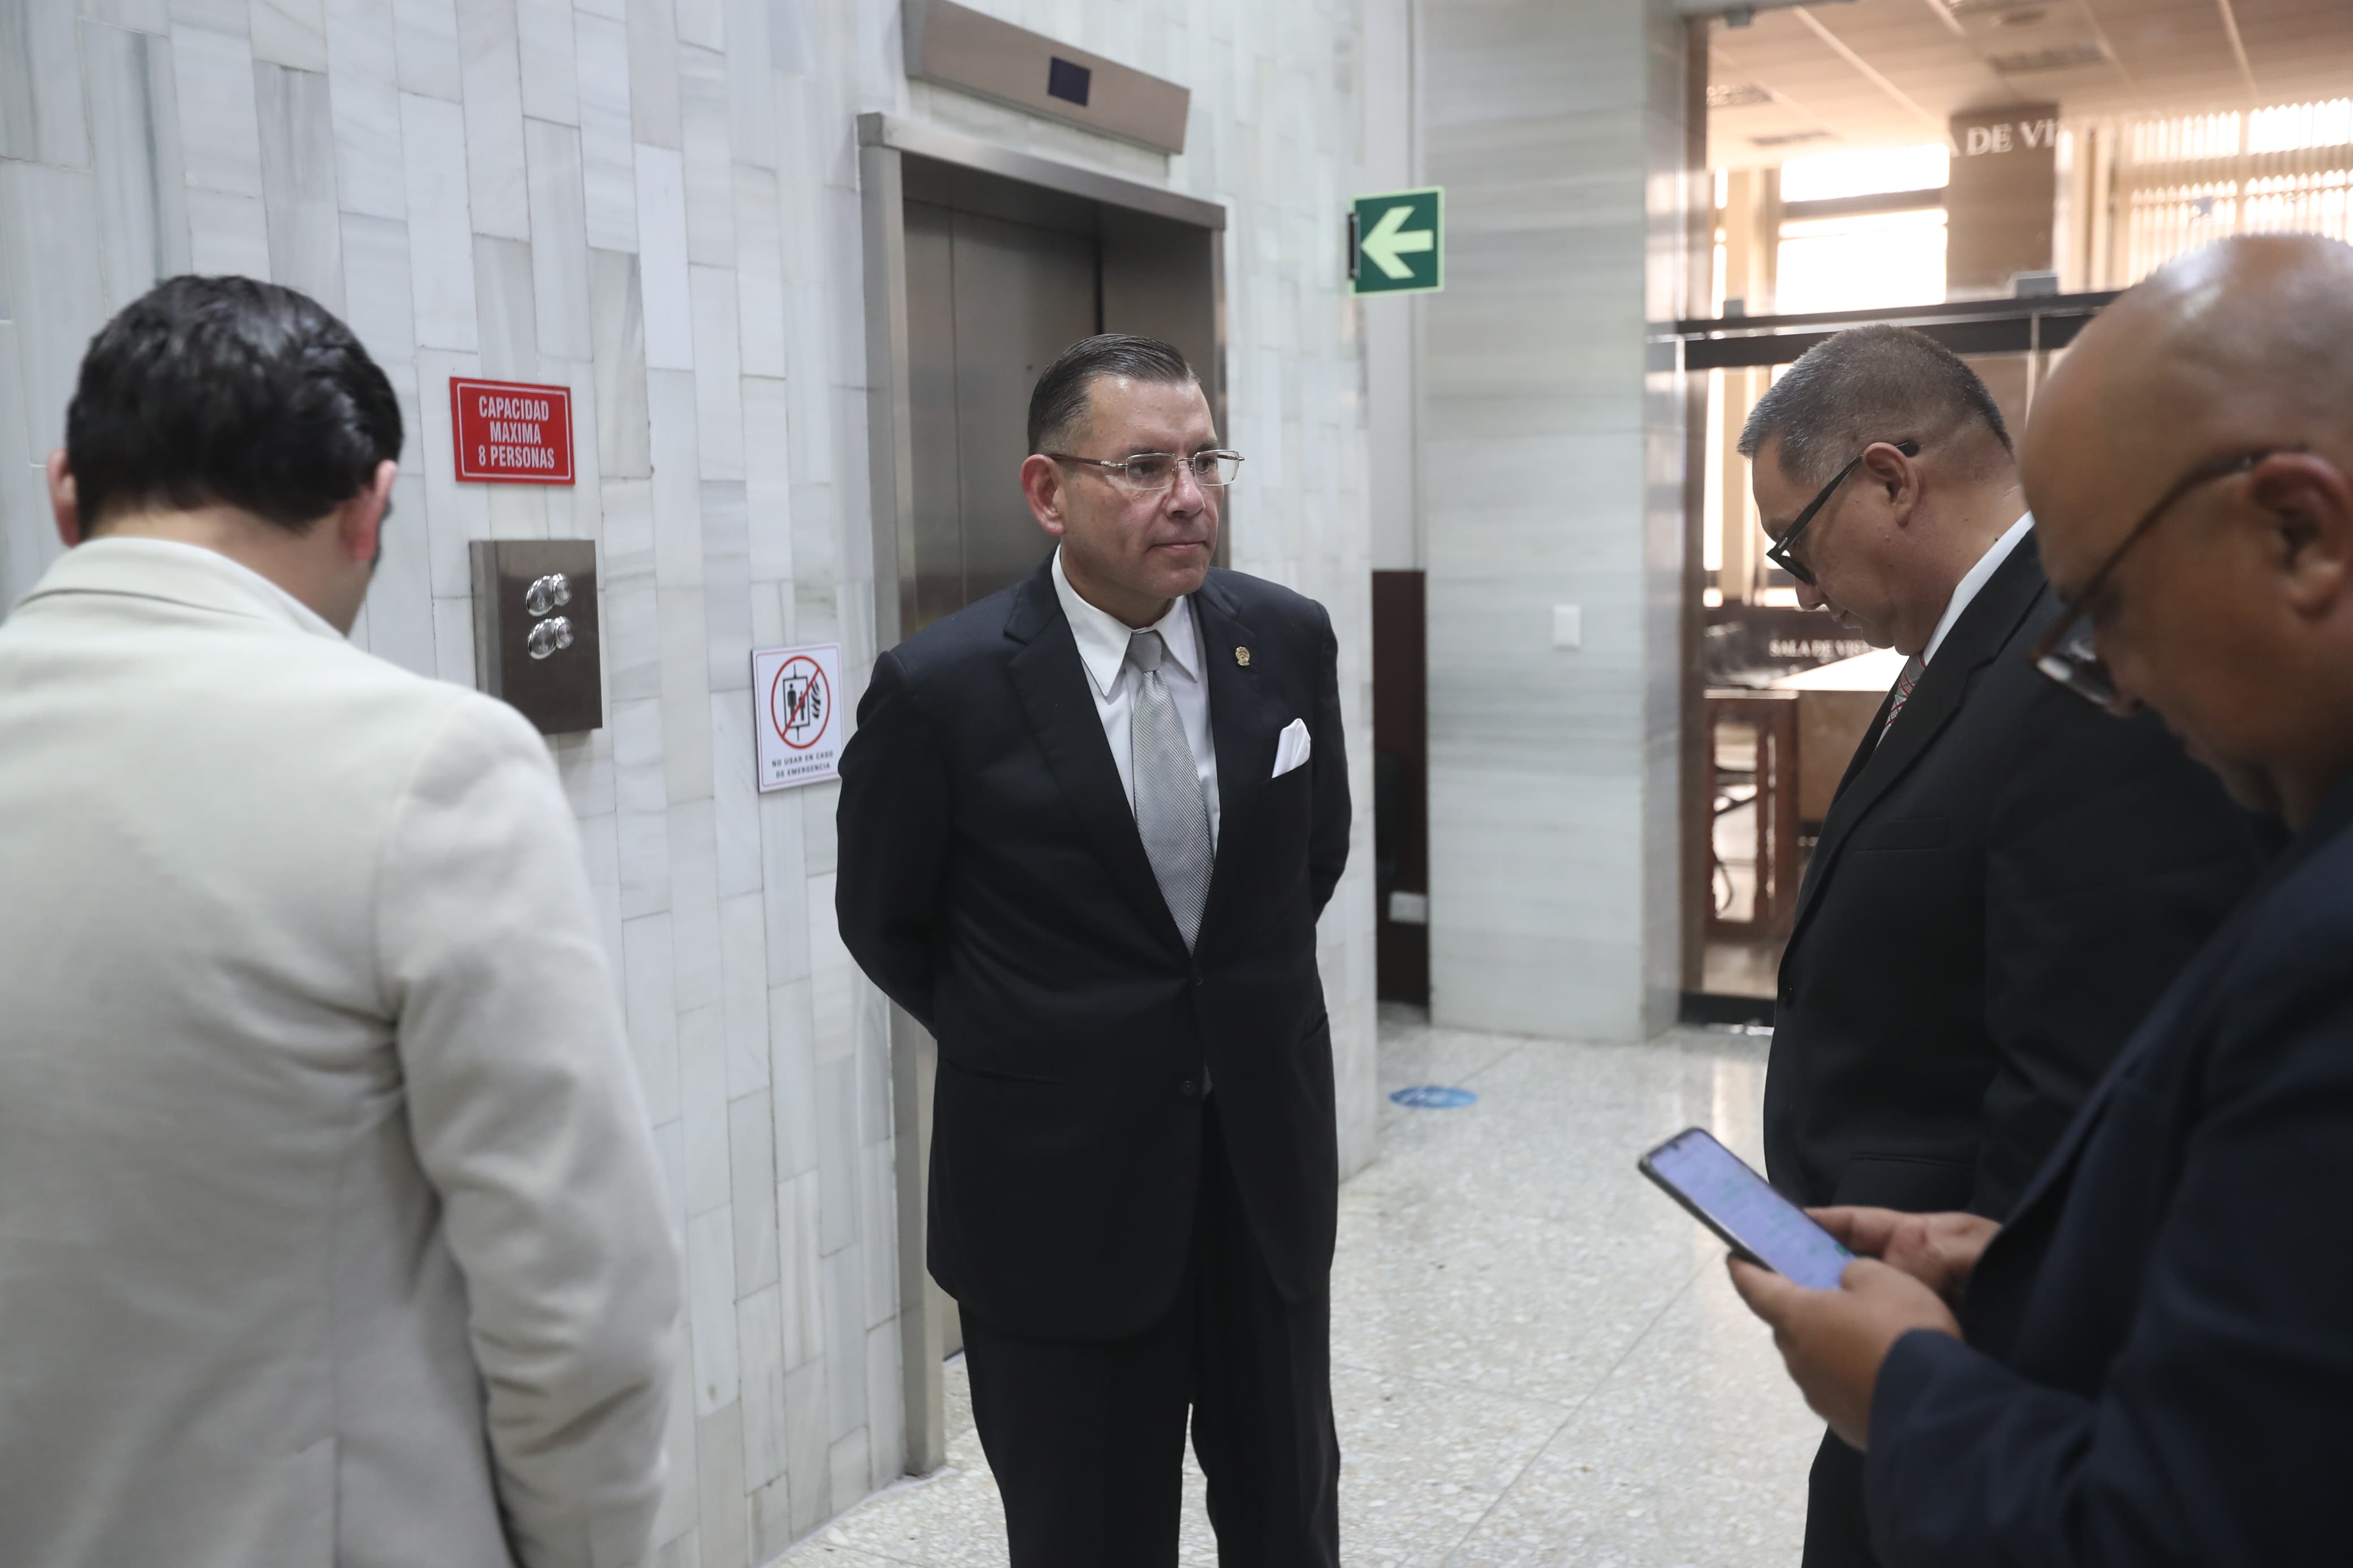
column 1732, row 1200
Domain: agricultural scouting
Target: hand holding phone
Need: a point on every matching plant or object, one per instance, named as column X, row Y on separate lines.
column 1732, row 1200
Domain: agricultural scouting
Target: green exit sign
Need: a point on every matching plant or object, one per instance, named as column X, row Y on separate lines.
column 1397, row 242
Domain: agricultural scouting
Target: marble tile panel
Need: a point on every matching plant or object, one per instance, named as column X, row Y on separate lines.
column 617, row 333
column 551, row 76
column 633, row 629
column 711, row 1306
column 834, row 980
column 844, row 1278
column 506, row 313
column 455, row 514
column 642, row 814
column 886, row 1446
column 681, row 1489
column 611, row 10
column 768, row 488
column 298, row 177
column 453, row 640
column 42, row 118
column 760, row 1369
column 751, row 83
column 772, row 1508
column 431, row 59
column 135, row 117
column 709, row 163
column 702, row 1107
column 799, row 1233
column 223, row 16
column 752, row 1182
column 737, row 801
column 805, row 1446
column 677, row 500
column 441, row 242
column 377, row 300
column 837, row 1166
column 140, row 15
column 49, row 255
column 686, row 698
column 492, row 78
column 823, row 800
column 291, row 33
column 759, row 266
column 400, row 599
column 653, row 74
column 784, row 870
column 609, row 164
column 220, row 139
column 652, row 1020
column 694, row 910
column 879, row 1223
column 517, row 511
column 667, row 298
column 702, row 23
column 722, row 1522
column 364, row 71
column 576, row 510
column 718, row 387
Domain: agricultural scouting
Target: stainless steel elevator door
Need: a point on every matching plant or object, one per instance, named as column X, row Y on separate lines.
column 989, row 304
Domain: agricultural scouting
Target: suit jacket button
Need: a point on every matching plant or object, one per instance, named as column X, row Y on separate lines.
column 1789, row 995
column 1197, row 975
column 1190, row 1088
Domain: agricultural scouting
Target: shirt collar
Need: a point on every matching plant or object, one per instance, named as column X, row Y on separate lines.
column 1102, row 636
column 1976, row 578
column 174, row 569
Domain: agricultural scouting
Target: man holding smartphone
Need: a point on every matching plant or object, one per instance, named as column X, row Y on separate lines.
column 2150, row 1361
column 2006, row 878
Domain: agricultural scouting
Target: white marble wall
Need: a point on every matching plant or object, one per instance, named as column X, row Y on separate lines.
column 1552, row 466
column 654, row 202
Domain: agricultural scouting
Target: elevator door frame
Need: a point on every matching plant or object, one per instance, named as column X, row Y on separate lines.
column 884, row 144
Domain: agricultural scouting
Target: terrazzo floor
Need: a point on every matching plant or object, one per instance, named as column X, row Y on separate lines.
column 1537, row 1357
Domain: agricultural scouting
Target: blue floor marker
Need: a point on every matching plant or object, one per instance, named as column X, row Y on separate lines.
column 1434, row 1096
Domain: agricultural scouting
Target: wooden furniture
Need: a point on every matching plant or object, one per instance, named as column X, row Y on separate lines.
column 1772, row 786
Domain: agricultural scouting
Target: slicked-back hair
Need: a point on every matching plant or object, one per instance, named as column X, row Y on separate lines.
column 226, row 391
column 1865, row 384
column 1058, row 403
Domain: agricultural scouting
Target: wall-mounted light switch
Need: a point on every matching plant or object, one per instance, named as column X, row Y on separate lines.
column 1568, row 626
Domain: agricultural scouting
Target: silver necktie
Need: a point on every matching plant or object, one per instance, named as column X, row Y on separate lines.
column 1170, row 815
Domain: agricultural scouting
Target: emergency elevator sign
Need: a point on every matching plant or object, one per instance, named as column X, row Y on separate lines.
column 511, row 432
column 1397, row 242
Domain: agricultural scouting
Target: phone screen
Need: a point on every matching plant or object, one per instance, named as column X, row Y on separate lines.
column 1739, row 1204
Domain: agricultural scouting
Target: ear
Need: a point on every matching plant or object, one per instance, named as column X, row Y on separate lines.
column 359, row 521
column 1042, row 486
column 63, row 502
column 1896, row 475
column 2308, row 506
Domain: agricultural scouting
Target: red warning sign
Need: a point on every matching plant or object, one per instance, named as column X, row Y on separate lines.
column 511, row 432
column 799, row 720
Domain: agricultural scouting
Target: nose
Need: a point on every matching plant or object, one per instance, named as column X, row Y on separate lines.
column 1184, row 492
column 1811, row 597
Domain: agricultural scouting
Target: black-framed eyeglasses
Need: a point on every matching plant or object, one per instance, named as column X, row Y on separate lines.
column 1781, row 551
column 1148, row 473
column 2069, row 652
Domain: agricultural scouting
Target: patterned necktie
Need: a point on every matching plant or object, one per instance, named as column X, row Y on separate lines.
column 1903, row 685
column 1170, row 815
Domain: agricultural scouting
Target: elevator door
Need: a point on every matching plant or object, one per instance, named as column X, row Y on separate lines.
column 990, row 303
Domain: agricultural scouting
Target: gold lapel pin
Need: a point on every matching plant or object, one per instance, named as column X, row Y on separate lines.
column 1241, row 656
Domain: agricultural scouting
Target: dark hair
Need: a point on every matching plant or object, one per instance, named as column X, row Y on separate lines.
column 1865, row 385
column 225, row 391
column 1058, row 405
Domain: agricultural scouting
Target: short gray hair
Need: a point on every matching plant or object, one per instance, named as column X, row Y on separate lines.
column 1865, row 384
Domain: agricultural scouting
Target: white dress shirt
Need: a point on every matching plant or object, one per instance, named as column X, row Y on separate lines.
column 1976, row 578
column 1102, row 648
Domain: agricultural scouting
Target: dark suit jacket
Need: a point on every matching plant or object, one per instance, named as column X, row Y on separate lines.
column 2160, row 1342
column 992, row 881
column 2000, row 891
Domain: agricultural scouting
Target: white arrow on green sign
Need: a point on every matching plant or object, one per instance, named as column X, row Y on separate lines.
column 1397, row 242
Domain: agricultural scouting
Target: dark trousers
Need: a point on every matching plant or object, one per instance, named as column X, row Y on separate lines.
column 1837, row 1535
column 1087, row 1441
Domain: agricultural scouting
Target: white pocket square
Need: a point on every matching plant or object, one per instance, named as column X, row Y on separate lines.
column 1291, row 747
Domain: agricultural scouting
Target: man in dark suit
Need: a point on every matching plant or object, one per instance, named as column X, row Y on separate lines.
column 2158, row 1352
column 2006, row 878
column 1087, row 826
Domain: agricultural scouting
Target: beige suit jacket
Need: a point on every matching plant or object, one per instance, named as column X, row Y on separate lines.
column 330, row 1231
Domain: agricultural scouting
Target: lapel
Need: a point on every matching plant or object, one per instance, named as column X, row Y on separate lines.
column 1984, row 629
column 1244, row 724
column 1052, row 686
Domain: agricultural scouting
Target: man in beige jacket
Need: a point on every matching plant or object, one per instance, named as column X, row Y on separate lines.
column 330, row 1226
